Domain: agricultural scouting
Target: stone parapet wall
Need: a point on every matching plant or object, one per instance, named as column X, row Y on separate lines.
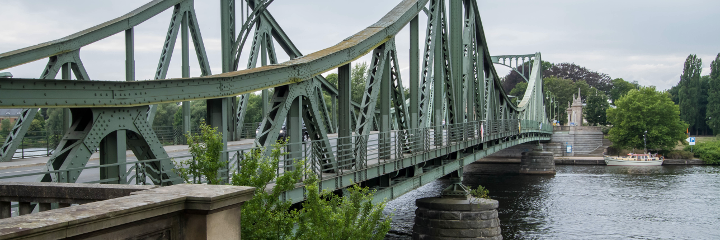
column 186, row 211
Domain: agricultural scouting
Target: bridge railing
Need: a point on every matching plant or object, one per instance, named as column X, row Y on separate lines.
column 342, row 159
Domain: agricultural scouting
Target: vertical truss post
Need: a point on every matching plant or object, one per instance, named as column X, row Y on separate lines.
column 438, row 82
column 112, row 150
column 263, row 62
column 414, row 73
column 130, row 54
column 333, row 116
column 456, row 56
column 424, row 93
column 414, row 82
column 66, row 112
column 344, row 115
column 294, row 132
column 227, row 39
column 385, row 118
column 185, row 41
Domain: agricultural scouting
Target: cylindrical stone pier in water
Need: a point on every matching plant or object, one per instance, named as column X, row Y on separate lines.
column 456, row 218
column 537, row 161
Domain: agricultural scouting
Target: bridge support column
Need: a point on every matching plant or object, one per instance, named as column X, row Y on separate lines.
column 456, row 217
column 537, row 161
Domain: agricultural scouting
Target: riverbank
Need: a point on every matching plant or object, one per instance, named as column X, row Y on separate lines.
column 578, row 160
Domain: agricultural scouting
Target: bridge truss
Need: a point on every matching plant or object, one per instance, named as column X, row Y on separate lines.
column 457, row 112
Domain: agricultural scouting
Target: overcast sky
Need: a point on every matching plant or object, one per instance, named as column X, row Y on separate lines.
column 638, row 40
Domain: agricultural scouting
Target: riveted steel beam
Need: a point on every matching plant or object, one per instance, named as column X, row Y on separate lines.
column 91, row 126
column 67, row 61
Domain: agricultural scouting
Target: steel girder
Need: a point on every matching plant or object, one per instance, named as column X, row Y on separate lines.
column 427, row 61
column 180, row 11
column 90, row 127
column 67, row 62
column 282, row 100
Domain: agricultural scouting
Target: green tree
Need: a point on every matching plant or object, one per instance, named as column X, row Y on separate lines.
column 205, row 148
column 519, row 90
column 253, row 113
column 37, row 126
column 5, row 127
column 689, row 92
column 564, row 89
column 165, row 114
column 713, row 106
column 595, row 109
column 620, row 87
column 357, row 77
column 198, row 112
column 55, row 120
column 332, row 79
column 641, row 110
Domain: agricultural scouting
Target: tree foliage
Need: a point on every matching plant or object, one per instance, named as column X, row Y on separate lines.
column 165, row 114
column 571, row 71
column 641, row 110
column 713, row 106
column 513, row 78
column 689, row 90
column 620, row 87
column 519, row 90
column 329, row 216
column 357, row 77
column 564, row 89
column 5, row 127
column 205, row 148
column 324, row 215
column 595, row 109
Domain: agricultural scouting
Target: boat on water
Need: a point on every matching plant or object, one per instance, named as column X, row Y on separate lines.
column 634, row 160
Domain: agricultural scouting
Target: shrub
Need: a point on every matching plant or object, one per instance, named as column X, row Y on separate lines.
column 709, row 151
column 480, row 192
column 205, row 148
column 324, row 215
column 678, row 154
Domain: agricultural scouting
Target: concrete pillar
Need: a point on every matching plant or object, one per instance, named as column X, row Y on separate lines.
column 24, row 208
column 218, row 224
column 456, row 218
column 45, row 206
column 537, row 161
column 4, row 209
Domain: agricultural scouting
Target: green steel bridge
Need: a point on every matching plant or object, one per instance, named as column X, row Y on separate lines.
column 456, row 111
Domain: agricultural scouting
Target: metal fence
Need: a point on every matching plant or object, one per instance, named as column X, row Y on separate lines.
column 343, row 156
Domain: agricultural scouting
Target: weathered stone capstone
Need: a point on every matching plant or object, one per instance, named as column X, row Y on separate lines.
column 537, row 161
column 456, row 218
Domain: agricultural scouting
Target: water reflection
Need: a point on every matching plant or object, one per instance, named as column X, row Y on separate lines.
column 590, row 202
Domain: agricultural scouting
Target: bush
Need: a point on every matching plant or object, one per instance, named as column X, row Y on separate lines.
column 709, row 152
column 480, row 192
column 678, row 154
column 324, row 215
column 205, row 164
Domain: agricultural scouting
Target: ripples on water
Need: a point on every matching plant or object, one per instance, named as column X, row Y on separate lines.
column 589, row 202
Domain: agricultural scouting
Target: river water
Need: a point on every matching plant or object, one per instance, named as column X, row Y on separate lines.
column 589, row 202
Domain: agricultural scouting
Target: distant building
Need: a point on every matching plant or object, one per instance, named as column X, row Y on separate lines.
column 11, row 114
column 574, row 111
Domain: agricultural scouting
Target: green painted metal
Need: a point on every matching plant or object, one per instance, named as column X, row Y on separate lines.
column 91, row 126
column 65, row 62
column 465, row 93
